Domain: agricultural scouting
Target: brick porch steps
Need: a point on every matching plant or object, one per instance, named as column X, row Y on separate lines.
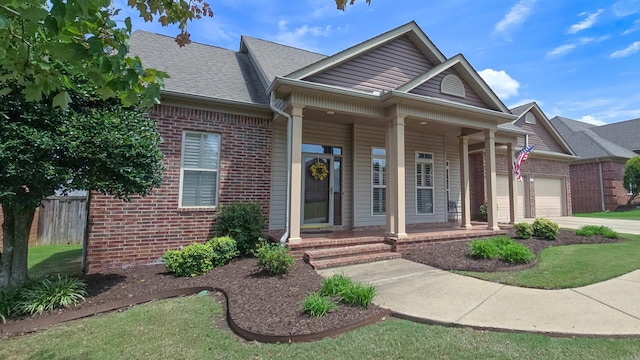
column 352, row 259
column 300, row 248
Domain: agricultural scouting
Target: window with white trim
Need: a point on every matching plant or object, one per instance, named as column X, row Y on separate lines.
column 424, row 183
column 199, row 169
column 378, row 181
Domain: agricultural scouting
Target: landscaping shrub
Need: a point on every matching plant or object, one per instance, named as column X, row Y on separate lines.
column 223, row 249
column 274, row 259
column 523, row 230
column 483, row 211
column 359, row 294
column 591, row 230
column 44, row 294
column 318, row 305
column 192, row 260
column 243, row 222
column 9, row 298
column 501, row 247
column 335, row 285
column 545, row 229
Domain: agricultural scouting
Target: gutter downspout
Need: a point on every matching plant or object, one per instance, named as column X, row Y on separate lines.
column 287, row 221
column 601, row 184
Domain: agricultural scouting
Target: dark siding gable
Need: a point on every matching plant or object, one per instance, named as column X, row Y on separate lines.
column 381, row 69
column 539, row 136
column 432, row 88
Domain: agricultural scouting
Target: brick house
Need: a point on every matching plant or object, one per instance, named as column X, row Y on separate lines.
column 597, row 173
column 379, row 136
column 546, row 188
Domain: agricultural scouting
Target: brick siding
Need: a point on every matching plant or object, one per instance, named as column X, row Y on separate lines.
column 139, row 231
column 585, row 182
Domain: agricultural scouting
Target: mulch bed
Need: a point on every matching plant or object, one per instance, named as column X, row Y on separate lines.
column 454, row 255
column 271, row 305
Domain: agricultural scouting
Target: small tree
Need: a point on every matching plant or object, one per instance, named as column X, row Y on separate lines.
column 632, row 178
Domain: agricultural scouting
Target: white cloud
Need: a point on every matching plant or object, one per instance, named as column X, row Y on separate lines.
column 633, row 28
column 295, row 37
column 561, row 50
column 629, row 50
column 500, row 82
column 586, row 23
column 626, row 7
column 592, row 120
column 516, row 16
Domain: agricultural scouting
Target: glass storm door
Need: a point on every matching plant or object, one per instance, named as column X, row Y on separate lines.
column 321, row 183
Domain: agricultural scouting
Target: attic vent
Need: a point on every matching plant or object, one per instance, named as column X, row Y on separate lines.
column 452, row 85
column 529, row 118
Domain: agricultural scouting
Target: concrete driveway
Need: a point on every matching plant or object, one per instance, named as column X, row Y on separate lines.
column 568, row 222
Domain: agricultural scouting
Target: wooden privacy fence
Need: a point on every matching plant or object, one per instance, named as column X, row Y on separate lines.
column 62, row 220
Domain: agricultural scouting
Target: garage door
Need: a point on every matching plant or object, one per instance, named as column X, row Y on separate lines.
column 502, row 183
column 549, row 197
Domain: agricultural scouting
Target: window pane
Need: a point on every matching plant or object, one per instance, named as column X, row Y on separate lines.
column 379, row 201
column 424, row 199
column 201, row 151
column 199, row 188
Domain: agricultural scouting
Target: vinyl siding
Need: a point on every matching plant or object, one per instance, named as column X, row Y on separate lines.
column 539, row 136
column 453, row 155
column 384, row 68
column 365, row 137
column 432, row 88
column 277, row 206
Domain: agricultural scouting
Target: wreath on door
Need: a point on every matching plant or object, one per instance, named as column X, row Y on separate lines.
column 319, row 170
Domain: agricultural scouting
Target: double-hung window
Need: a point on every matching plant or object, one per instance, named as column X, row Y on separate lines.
column 424, row 183
column 199, row 169
column 379, row 181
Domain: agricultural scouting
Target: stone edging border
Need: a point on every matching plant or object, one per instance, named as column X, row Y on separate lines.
column 35, row 324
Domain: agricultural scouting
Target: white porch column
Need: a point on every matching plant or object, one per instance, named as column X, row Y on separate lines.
column 464, row 183
column 513, row 193
column 296, row 174
column 396, row 177
column 490, row 174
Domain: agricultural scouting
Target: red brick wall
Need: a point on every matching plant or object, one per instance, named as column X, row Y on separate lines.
column 531, row 167
column 139, row 231
column 585, row 180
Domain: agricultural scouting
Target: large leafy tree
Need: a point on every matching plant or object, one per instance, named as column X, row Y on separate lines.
column 68, row 108
column 632, row 177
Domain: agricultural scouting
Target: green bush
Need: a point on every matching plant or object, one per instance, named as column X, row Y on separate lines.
column 335, row 285
column 274, row 259
column 318, row 305
column 359, row 294
column 9, row 298
column 224, row 249
column 484, row 211
column 192, row 260
column 244, row 222
column 545, row 229
column 591, row 230
column 523, row 230
column 501, row 247
column 43, row 294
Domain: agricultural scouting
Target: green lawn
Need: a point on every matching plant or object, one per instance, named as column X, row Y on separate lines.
column 573, row 265
column 624, row 215
column 188, row 328
column 54, row 259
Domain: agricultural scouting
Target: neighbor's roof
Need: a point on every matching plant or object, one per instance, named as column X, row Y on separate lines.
column 585, row 142
column 193, row 70
column 624, row 133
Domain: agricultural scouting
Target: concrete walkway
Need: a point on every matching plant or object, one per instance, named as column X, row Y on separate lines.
column 569, row 222
column 426, row 294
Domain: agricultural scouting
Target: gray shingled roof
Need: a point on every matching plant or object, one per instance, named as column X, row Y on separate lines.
column 519, row 110
column 585, row 142
column 199, row 69
column 624, row 133
column 276, row 59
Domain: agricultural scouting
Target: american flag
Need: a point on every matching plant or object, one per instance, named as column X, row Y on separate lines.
column 522, row 156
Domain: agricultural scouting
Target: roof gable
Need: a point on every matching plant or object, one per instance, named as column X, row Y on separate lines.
column 542, row 133
column 585, row 142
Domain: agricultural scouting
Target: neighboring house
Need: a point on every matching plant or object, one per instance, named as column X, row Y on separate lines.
column 545, row 189
column 374, row 137
column 597, row 173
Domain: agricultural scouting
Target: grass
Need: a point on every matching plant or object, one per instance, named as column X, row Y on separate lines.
column 54, row 259
column 624, row 215
column 570, row 266
column 185, row 328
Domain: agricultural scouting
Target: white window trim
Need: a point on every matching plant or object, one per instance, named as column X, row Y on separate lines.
column 374, row 186
column 433, row 180
column 182, row 170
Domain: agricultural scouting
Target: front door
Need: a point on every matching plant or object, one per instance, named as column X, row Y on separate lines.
column 322, row 201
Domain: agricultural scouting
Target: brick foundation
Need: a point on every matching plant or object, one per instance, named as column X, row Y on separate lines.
column 139, row 231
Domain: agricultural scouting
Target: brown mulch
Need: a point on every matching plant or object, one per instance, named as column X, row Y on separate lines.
column 272, row 305
column 454, row 255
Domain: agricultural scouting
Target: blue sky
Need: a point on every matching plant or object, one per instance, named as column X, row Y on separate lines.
column 578, row 59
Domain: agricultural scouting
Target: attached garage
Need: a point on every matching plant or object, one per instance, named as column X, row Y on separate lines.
column 549, row 196
column 502, row 184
